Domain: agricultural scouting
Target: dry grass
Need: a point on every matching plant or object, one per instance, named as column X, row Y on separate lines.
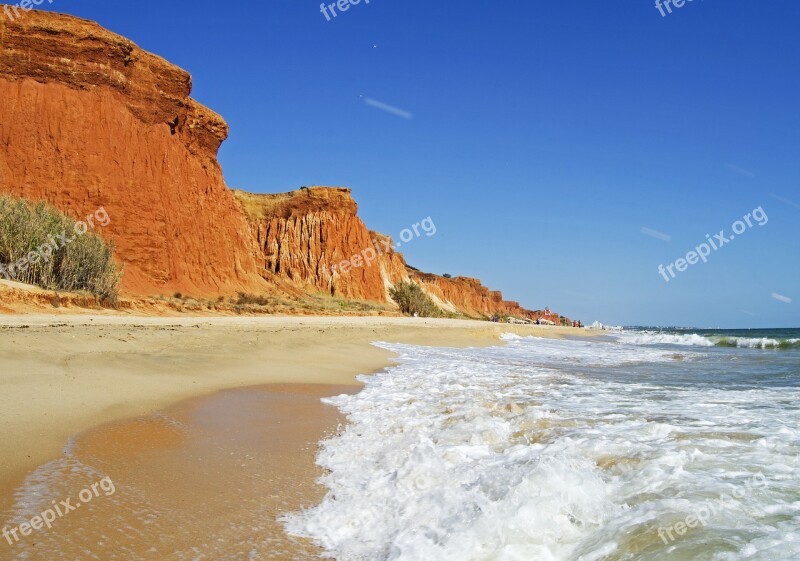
column 263, row 304
column 83, row 264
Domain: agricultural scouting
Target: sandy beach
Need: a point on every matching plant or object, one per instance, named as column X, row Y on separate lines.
column 100, row 377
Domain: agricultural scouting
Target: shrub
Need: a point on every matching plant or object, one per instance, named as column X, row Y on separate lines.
column 447, row 276
column 411, row 298
column 83, row 264
column 246, row 299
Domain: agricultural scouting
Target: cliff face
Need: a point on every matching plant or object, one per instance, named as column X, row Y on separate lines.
column 303, row 237
column 469, row 296
column 89, row 120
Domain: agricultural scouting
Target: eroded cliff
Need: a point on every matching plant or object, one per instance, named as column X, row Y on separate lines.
column 90, row 120
column 303, row 236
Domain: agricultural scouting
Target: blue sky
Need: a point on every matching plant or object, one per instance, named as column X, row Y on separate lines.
column 543, row 136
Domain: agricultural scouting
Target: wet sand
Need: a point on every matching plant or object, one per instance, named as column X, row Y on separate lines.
column 205, row 479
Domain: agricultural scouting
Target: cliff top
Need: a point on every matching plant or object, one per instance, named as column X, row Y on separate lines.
column 51, row 47
column 299, row 201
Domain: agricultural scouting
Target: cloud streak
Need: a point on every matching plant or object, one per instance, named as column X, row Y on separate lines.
column 388, row 108
column 785, row 201
column 740, row 170
column 656, row 234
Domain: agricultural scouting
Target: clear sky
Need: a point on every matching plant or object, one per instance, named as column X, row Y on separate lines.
column 540, row 137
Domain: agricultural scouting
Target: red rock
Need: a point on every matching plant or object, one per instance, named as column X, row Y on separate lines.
column 88, row 119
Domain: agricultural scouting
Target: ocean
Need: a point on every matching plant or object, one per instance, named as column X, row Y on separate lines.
column 644, row 445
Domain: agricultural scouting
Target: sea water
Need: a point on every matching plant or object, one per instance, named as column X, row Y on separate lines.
column 642, row 446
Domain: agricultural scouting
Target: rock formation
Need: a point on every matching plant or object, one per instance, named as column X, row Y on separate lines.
column 89, row 120
column 302, row 237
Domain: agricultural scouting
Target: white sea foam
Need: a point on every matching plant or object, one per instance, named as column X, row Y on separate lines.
column 695, row 340
column 528, row 452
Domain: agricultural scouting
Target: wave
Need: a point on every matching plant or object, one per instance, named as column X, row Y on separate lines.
column 502, row 453
column 697, row 340
column 693, row 340
column 762, row 343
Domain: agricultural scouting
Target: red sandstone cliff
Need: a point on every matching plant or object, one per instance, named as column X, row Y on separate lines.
column 302, row 237
column 88, row 119
column 470, row 297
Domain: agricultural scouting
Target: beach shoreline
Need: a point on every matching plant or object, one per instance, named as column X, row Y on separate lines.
column 209, row 477
column 62, row 376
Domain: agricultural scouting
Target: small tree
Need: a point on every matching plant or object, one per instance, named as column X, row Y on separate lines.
column 411, row 298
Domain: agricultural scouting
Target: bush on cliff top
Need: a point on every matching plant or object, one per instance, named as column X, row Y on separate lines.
column 41, row 246
column 411, row 298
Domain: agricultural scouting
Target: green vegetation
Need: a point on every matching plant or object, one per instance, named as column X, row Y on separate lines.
column 41, row 246
column 412, row 299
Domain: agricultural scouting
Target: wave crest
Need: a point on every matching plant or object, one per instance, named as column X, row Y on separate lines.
column 697, row 340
